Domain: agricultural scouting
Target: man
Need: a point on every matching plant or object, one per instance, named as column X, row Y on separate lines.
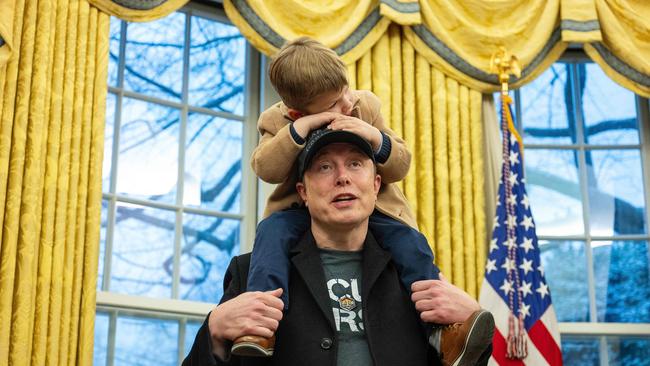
column 348, row 306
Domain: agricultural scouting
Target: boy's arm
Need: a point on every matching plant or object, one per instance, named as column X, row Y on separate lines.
column 276, row 152
column 397, row 156
column 280, row 144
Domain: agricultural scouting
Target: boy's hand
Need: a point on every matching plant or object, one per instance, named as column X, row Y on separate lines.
column 359, row 127
column 306, row 124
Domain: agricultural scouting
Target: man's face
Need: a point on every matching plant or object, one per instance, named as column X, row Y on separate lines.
column 337, row 101
column 340, row 186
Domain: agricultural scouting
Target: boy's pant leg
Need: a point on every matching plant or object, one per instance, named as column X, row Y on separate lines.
column 269, row 267
column 409, row 248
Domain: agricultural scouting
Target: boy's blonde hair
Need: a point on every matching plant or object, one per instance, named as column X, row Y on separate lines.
column 304, row 69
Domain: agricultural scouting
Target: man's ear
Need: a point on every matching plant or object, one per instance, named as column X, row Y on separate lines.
column 294, row 114
column 302, row 192
column 377, row 184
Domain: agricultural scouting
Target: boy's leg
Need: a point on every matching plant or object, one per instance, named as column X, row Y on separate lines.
column 409, row 248
column 459, row 344
column 269, row 268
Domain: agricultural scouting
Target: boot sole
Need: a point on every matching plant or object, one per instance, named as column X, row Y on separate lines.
column 479, row 338
column 250, row 349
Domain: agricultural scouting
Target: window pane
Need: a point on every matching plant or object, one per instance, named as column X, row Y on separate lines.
column 554, row 191
column 208, row 245
column 622, row 281
column 102, row 244
column 114, row 51
column 154, row 57
column 625, row 351
column 616, row 194
column 101, row 339
column 145, row 341
column 217, row 65
column 148, row 158
column 108, row 142
column 213, row 163
column 565, row 267
column 609, row 109
column 191, row 328
column 582, row 351
column 143, row 242
column 543, row 108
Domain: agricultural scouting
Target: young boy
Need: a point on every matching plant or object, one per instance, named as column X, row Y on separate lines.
column 312, row 83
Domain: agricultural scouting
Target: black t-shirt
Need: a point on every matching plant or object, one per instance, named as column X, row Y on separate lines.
column 343, row 280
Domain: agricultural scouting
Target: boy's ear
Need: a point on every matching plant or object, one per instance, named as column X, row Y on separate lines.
column 294, row 114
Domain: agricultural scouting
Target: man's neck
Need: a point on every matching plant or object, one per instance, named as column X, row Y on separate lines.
column 348, row 238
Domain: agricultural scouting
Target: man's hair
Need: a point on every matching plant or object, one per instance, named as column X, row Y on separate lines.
column 304, row 69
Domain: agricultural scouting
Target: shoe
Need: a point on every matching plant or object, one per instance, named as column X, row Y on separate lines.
column 462, row 344
column 253, row 346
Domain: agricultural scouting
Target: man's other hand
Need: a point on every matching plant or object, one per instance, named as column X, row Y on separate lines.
column 440, row 302
column 250, row 313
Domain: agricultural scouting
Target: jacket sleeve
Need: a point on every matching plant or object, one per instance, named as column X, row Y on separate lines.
column 398, row 163
column 274, row 157
column 201, row 351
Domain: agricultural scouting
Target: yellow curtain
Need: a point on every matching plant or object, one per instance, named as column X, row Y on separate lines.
column 138, row 10
column 624, row 53
column 460, row 37
column 51, row 145
column 440, row 119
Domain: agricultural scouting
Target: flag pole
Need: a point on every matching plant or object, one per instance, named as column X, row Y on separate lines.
column 505, row 64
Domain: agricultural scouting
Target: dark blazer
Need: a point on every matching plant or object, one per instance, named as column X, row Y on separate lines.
column 307, row 334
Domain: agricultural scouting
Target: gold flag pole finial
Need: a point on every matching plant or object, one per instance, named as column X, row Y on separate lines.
column 504, row 64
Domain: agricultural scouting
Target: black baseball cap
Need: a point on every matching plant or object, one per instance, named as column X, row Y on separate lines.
column 317, row 139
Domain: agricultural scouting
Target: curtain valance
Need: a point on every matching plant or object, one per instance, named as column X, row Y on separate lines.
column 350, row 27
column 459, row 37
column 138, row 10
column 624, row 53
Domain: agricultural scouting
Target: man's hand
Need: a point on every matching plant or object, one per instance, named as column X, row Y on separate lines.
column 440, row 302
column 306, row 124
column 250, row 313
column 352, row 124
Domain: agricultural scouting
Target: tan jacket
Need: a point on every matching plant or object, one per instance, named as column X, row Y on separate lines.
column 274, row 159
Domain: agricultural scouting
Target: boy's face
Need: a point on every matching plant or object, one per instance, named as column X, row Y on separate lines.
column 337, row 101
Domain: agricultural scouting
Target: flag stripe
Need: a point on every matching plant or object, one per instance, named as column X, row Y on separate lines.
column 545, row 343
column 491, row 301
column 550, row 322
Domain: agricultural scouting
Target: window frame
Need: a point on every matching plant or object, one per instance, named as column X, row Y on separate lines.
column 594, row 328
column 183, row 311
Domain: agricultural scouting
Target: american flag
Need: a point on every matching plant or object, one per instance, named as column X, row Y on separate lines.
column 514, row 288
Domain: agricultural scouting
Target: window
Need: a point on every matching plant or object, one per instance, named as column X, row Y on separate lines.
column 178, row 198
column 586, row 158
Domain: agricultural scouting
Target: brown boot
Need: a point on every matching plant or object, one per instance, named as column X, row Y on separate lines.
column 462, row 344
column 253, row 346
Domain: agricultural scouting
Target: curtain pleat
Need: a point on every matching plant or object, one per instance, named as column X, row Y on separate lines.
column 422, row 175
column 51, row 145
column 442, row 243
column 440, row 121
column 480, row 192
